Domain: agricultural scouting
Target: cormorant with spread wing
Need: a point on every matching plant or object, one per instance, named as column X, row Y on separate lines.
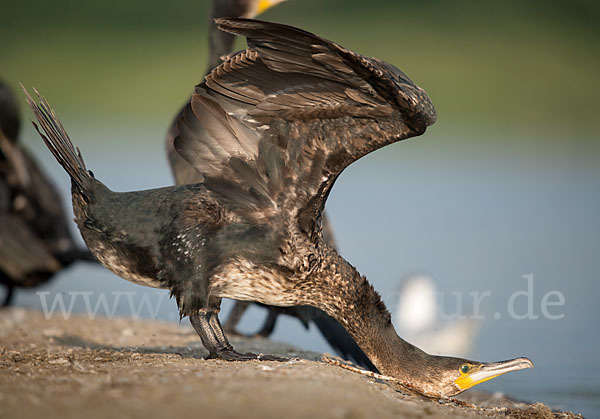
column 221, row 45
column 270, row 129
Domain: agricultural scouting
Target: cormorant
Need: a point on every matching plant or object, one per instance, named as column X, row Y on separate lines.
column 270, row 129
column 35, row 242
column 220, row 45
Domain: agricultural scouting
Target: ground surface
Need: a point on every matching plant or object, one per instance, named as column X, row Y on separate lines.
column 127, row 368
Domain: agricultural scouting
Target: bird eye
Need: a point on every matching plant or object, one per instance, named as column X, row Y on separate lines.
column 465, row 369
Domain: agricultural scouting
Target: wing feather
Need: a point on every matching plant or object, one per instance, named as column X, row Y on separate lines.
column 273, row 126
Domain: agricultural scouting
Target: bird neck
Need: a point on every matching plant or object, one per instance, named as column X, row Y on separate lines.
column 220, row 42
column 349, row 298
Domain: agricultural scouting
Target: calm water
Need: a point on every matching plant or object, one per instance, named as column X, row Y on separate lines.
column 476, row 217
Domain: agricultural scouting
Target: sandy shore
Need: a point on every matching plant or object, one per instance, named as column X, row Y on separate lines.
column 128, row 368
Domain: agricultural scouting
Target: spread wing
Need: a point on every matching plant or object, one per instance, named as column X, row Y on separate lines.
column 271, row 128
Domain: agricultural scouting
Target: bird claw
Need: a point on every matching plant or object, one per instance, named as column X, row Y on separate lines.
column 347, row 366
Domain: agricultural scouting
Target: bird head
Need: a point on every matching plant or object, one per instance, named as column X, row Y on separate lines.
column 448, row 376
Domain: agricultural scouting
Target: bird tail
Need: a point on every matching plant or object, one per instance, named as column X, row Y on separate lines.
column 58, row 142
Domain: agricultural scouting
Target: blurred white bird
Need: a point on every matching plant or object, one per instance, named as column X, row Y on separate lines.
column 415, row 318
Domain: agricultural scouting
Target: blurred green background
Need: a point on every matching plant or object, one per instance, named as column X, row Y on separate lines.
column 512, row 66
column 506, row 183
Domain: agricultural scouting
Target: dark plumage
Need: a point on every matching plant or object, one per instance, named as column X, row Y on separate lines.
column 270, row 130
column 35, row 241
column 220, row 45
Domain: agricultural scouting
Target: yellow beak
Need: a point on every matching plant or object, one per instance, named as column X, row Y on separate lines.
column 263, row 5
column 490, row 370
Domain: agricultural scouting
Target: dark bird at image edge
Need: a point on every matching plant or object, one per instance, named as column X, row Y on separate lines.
column 35, row 241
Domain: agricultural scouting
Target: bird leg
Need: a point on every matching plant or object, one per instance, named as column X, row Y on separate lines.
column 8, row 297
column 238, row 310
column 207, row 325
column 269, row 324
column 214, row 340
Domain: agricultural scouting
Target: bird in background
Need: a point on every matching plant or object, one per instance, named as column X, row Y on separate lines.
column 270, row 129
column 35, row 241
column 416, row 319
column 221, row 45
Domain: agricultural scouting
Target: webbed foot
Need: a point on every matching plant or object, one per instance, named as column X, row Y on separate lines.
column 232, row 355
column 206, row 323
